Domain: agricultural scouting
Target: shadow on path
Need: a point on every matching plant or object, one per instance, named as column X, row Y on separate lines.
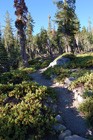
column 73, row 120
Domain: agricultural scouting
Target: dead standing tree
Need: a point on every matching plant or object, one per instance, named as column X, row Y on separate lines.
column 20, row 23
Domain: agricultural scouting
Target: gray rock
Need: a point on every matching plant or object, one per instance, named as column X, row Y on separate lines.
column 64, row 134
column 60, row 62
column 59, row 118
column 59, row 127
column 74, row 137
column 69, row 80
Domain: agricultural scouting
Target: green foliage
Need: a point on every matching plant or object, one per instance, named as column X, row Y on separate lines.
column 45, row 63
column 16, row 76
column 51, row 71
column 86, row 80
column 81, row 61
column 34, row 63
column 87, row 109
column 30, row 117
column 87, row 94
column 23, row 114
column 67, row 55
column 4, row 61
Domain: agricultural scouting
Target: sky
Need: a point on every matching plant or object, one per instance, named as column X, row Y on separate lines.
column 40, row 9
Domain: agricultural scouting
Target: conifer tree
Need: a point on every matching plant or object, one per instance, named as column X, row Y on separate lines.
column 8, row 34
column 29, row 31
column 65, row 18
column 21, row 11
column 49, row 40
column 4, row 62
column 43, row 40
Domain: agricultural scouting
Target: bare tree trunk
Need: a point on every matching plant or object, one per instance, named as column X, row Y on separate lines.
column 23, row 52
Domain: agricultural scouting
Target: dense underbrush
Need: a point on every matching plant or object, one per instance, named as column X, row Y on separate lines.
column 23, row 113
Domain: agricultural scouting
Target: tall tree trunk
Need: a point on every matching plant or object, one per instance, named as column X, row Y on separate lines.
column 23, row 52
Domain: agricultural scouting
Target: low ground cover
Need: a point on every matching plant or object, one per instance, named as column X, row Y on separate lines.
column 23, row 114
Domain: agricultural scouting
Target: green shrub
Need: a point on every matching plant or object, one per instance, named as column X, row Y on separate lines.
column 87, row 109
column 35, row 63
column 86, row 80
column 45, row 63
column 29, row 118
column 15, row 77
column 67, row 55
column 87, row 94
column 81, row 61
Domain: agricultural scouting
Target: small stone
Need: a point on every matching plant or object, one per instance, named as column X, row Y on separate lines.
column 59, row 118
column 64, row 134
column 74, row 137
column 59, row 127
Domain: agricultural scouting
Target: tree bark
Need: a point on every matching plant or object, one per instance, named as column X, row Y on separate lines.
column 23, row 52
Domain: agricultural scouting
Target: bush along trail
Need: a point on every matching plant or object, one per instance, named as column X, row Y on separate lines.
column 73, row 86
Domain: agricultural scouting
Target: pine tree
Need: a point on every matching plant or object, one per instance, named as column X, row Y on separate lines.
column 43, row 40
column 49, row 40
column 4, row 61
column 65, row 18
column 21, row 11
column 8, row 34
column 29, row 30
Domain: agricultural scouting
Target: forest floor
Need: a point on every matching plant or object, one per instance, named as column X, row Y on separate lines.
column 73, row 120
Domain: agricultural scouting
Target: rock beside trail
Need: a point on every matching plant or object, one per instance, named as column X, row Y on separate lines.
column 59, row 127
column 74, row 137
column 64, row 134
column 59, row 118
column 59, row 61
column 69, row 80
column 78, row 94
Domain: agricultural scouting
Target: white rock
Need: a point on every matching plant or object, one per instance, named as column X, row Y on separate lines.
column 60, row 62
column 76, row 95
column 80, row 99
